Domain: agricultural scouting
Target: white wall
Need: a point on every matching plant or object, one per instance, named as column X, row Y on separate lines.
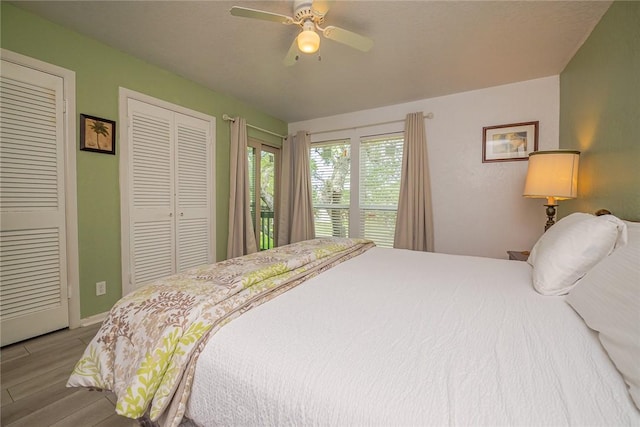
column 478, row 208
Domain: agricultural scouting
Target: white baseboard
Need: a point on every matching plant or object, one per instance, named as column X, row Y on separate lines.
column 92, row 320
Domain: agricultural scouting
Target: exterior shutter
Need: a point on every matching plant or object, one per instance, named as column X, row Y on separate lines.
column 33, row 282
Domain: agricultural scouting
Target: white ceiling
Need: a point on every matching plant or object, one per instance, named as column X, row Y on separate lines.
column 422, row 49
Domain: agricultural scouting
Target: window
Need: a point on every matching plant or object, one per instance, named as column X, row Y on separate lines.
column 263, row 169
column 368, row 208
column 380, row 168
column 330, row 164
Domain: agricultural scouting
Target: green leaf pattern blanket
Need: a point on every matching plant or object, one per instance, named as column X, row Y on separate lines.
column 147, row 347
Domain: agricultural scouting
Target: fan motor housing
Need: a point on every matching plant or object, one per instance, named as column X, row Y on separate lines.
column 303, row 10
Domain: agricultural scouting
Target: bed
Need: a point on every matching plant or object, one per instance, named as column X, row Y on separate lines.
column 396, row 337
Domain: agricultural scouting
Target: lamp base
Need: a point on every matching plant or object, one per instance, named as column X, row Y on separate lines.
column 551, row 214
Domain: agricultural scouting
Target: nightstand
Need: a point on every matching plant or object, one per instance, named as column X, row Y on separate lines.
column 518, row 255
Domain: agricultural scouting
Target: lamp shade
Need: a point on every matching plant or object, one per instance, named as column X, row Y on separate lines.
column 552, row 175
column 308, row 39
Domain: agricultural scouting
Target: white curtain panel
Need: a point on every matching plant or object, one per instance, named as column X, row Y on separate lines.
column 242, row 239
column 295, row 209
column 414, row 223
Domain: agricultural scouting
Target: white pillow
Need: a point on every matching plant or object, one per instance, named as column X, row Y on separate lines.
column 608, row 299
column 570, row 248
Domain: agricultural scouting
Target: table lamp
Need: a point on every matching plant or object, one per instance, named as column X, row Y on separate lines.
column 552, row 175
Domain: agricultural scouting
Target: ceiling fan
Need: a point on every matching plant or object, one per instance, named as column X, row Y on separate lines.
column 309, row 16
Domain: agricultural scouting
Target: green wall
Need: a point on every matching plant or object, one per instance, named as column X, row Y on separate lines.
column 600, row 114
column 100, row 71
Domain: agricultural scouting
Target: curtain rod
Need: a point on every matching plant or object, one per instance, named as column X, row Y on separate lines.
column 227, row 118
column 426, row 116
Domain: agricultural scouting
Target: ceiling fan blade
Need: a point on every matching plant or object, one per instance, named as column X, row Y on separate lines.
column 349, row 38
column 245, row 12
column 321, row 7
column 292, row 55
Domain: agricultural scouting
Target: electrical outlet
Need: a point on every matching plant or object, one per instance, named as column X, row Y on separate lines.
column 101, row 288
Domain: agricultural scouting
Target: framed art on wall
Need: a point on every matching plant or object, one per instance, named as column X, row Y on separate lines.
column 98, row 135
column 505, row 143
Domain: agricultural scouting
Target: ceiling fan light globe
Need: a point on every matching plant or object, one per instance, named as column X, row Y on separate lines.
column 308, row 41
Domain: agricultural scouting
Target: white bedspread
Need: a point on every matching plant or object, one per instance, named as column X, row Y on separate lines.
column 395, row 337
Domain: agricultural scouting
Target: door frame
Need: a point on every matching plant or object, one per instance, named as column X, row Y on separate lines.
column 70, row 181
column 259, row 146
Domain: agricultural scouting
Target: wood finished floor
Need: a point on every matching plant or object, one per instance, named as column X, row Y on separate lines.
column 33, row 376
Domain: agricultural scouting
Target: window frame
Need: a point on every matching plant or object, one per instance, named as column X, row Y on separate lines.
column 354, row 136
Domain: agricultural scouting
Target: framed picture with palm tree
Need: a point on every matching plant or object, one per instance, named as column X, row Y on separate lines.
column 97, row 134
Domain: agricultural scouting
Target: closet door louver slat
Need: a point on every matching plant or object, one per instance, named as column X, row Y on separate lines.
column 30, row 273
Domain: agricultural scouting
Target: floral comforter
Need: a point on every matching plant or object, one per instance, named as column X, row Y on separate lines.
column 147, row 348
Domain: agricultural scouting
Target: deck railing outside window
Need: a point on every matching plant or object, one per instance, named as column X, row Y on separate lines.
column 266, row 230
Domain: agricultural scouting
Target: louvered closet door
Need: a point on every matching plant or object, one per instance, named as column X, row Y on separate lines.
column 33, row 286
column 151, row 193
column 193, row 182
